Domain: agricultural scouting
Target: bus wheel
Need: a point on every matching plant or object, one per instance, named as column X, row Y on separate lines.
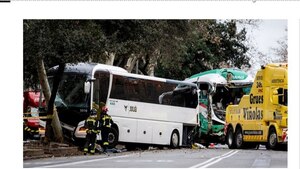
column 272, row 139
column 113, row 137
column 230, row 138
column 174, row 143
column 238, row 138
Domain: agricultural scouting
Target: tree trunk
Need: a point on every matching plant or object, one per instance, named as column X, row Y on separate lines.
column 131, row 63
column 152, row 63
column 111, row 58
column 150, row 70
column 53, row 125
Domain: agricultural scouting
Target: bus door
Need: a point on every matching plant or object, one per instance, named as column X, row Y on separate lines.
column 100, row 90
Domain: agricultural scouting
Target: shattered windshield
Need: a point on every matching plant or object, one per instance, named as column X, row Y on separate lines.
column 71, row 91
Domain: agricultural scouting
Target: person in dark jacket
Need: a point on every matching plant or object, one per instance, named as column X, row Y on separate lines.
column 93, row 128
column 105, row 123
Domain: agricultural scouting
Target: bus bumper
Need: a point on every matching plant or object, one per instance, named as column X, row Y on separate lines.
column 80, row 132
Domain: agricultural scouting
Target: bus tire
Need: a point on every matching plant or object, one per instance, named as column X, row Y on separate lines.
column 174, row 141
column 230, row 140
column 272, row 139
column 113, row 137
column 238, row 138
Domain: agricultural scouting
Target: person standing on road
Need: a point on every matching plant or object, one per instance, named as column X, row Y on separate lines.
column 93, row 128
column 105, row 123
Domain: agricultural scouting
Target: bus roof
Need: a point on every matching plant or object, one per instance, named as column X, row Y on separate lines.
column 221, row 76
column 90, row 68
column 146, row 77
column 87, row 68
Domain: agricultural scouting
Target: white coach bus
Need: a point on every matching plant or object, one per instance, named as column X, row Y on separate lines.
column 145, row 110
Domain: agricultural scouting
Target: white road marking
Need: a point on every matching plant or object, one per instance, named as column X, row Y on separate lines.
column 82, row 162
column 214, row 160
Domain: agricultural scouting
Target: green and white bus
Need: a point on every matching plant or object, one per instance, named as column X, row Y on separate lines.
column 218, row 89
column 145, row 110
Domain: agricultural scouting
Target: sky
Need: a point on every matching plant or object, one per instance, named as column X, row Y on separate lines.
column 268, row 33
column 264, row 38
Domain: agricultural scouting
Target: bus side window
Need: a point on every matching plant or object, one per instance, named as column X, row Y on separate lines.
column 132, row 90
column 152, row 92
column 96, row 92
column 100, row 87
column 103, row 89
column 142, row 90
column 118, row 88
column 178, row 99
column 191, row 98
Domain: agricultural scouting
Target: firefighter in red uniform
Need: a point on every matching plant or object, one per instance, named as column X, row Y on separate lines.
column 105, row 123
column 93, row 128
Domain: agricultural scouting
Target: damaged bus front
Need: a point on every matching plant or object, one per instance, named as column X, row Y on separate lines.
column 218, row 89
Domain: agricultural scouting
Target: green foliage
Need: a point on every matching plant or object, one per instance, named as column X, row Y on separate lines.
column 209, row 45
column 176, row 48
column 59, row 41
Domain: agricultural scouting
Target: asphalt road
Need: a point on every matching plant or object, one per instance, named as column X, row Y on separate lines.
column 220, row 157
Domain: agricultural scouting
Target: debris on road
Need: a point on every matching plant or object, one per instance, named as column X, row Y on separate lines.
column 198, row 146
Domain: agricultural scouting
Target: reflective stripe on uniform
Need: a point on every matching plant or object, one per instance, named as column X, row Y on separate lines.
column 93, row 148
column 106, row 120
column 90, row 119
column 27, row 129
column 105, row 143
column 96, row 131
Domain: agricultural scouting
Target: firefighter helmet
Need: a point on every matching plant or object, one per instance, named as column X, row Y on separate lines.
column 104, row 109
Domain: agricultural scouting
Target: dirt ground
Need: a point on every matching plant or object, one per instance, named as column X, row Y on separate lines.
column 33, row 149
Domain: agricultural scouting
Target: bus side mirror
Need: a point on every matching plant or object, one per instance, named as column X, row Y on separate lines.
column 87, row 87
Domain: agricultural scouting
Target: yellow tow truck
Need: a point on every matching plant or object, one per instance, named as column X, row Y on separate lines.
column 261, row 117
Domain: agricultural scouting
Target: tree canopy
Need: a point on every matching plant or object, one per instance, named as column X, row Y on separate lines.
column 166, row 48
column 58, row 41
